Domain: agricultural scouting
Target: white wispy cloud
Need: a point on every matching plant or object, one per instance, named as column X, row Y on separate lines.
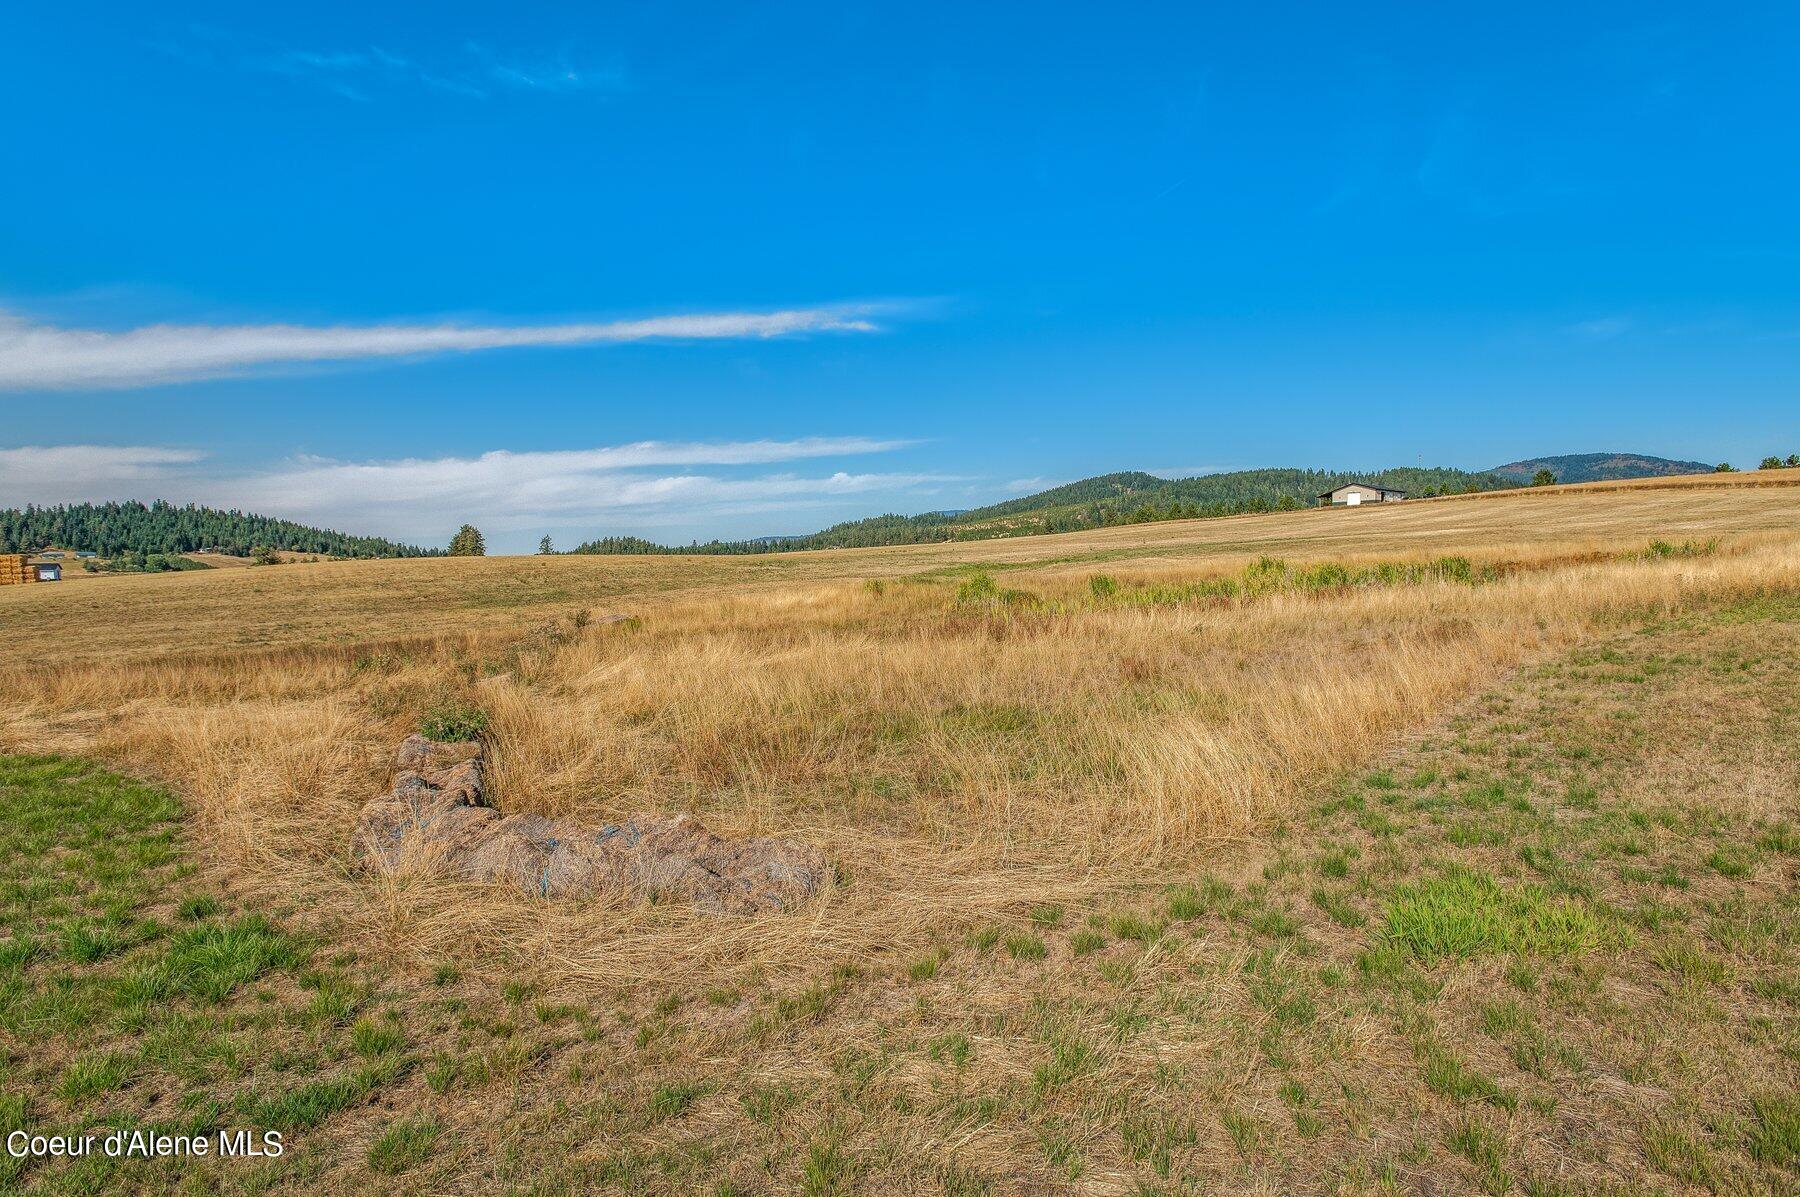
column 1026, row 486
column 1602, row 328
column 75, row 473
column 547, row 73
column 46, row 356
column 425, row 498
column 355, row 74
column 416, row 495
column 364, row 73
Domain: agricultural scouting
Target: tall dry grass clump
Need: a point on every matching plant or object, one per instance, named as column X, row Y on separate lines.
column 960, row 745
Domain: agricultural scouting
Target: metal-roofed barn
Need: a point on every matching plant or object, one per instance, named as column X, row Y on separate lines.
column 1355, row 494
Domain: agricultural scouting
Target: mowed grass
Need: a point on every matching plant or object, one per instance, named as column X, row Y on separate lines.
column 1456, row 965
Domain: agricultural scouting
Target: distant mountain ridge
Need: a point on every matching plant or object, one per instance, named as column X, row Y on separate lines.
column 1599, row 467
column 1127, row 497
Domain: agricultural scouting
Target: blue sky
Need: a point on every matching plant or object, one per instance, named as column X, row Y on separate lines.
column 694, row 270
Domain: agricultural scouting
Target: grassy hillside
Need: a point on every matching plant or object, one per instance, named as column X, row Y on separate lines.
column 117, row 529
column 1109, row 500
column 1598, row 467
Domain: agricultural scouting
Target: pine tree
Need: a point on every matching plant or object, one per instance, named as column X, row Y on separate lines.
column 468, row 542
column 545, row 548
column 1543, row 478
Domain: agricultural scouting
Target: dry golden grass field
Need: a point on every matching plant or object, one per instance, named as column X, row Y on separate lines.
column 359, row 601
column 1254, row 854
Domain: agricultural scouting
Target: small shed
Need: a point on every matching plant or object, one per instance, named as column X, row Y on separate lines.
column 1355, row 494
column 47, row 571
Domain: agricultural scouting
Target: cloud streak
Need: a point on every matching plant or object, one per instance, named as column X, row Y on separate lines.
column 649, row 483
column 512, row 490
column 366, row 73
column 353, row 73
column 73, row 473
column 49, row 357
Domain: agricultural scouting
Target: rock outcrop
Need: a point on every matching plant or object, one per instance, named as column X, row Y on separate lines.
column 434, row 819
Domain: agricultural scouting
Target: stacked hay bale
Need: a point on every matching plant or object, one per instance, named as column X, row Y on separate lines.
column 16, row 568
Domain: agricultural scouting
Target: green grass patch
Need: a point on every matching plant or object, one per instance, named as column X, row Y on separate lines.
column 674, row 1100
column 1448, row 1075
column 1083, row 942
column 1680, row 1156
column 1481, row 1147
column 371, row 1037
column 1136, row 928
column 1463, row 913
column 406, row 1144
column 1026, row 947
column 1071, row 1056
column 210, row 961
column 1692, row 964
column 311, row 1103
column 1733, row 863
column 91, row 1076
column 1775, row 1132
column 1337, row 909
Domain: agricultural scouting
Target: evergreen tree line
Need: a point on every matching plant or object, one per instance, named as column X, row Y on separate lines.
column 117, row 529
column 1109, row 500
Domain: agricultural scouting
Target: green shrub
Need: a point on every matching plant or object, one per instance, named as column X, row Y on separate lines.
column 453, row 723
column 978, row 587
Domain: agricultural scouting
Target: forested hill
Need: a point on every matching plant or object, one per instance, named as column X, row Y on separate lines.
column 1131, row 497
column 1599, row 467
column 111, row 529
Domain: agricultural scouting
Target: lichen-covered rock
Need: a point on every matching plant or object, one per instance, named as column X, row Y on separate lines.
column 434, row 819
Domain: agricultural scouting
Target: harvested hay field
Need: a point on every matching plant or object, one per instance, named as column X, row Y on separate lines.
column 1185, row 857
column 355, row 602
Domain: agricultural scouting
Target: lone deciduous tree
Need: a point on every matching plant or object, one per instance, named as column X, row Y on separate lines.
column 468, row 542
